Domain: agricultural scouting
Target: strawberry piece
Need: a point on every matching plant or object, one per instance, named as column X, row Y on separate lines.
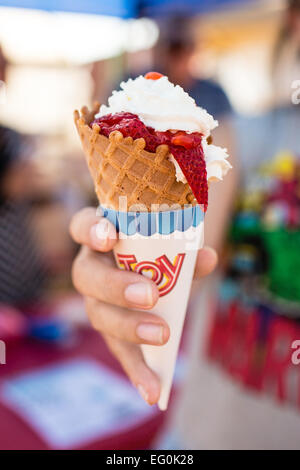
column 153, row 75
column 193, row 166
column 184, row 140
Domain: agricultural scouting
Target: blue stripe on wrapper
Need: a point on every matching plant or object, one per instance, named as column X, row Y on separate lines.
column 149, row 223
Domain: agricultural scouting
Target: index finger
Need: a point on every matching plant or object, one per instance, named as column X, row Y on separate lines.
column 96, row 232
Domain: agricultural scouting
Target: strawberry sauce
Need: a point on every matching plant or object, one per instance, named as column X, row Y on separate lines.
column 186, row 148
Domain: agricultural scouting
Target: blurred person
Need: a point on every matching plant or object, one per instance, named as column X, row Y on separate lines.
column 22, row 274
column 172, row 56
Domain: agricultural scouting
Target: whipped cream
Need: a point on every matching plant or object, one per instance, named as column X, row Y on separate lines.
column 217, row 165
column 164, row 106
column 161, row 105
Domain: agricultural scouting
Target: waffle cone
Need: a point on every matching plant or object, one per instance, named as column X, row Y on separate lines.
column 121, row 167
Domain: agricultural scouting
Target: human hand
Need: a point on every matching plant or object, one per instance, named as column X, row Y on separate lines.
column 111, row 294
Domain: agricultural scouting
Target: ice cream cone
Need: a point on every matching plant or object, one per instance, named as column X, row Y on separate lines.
column 121, row 167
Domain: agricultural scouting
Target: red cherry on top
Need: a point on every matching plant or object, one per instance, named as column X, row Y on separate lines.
column 184, row 140
column 153, row 75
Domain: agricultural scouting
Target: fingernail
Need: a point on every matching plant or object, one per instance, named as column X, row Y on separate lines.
column 150, row 332
column 99, row 232
column 142, row 392
column 139, row 294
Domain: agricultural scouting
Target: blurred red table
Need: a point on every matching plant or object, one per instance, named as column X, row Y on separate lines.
column 28, row 355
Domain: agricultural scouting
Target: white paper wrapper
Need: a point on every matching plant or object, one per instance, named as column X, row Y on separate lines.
column 166, row 253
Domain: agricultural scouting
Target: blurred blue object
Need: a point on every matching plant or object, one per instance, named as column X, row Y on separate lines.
column 49, row 329
column 121, row 8
column 159, row 8
column 229, row 291
column 247, row 220
column 126, row 8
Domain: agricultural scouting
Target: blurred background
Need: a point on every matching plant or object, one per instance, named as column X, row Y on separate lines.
column 241, row 61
